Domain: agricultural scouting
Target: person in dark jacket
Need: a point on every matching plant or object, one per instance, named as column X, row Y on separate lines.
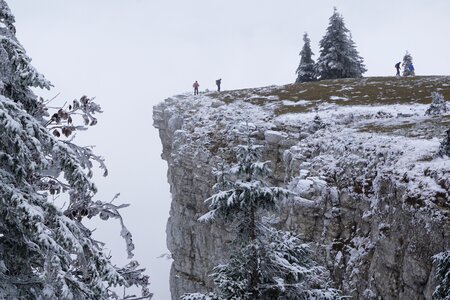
column 397, row 66
column 218, row 82
column 195, row 86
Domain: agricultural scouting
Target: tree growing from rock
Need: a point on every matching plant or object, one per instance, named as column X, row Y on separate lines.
column 407, row 64
column 46, row 192
column 444, row 149
column 317, row 124
column 267, row 263
column 306, row 69
column 438, row 105
column 442, row 263
column 338, row 55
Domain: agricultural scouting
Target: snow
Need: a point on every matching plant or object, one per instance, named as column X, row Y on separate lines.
column 334, row 112
column 296, row 103
column 274, row 137
column 336, row 98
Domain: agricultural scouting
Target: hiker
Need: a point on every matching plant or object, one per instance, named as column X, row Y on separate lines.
column 411, row 69
column 196, row 85
column 218, row 82
column 397, row 66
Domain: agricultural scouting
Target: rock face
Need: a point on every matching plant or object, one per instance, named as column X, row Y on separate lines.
column 372, row 195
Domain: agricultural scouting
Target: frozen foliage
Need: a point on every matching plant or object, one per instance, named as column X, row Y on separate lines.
column 45, row 251
column 442, row 264
column 407, row 64
column 198, row 296
column 267, row 263
column 338, row 55
column 317, row 124
column 438, row 105
column 306, row 71
column 444, row 149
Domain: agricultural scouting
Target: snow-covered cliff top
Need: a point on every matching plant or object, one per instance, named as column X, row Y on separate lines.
column 361, row 155
column 384, row 116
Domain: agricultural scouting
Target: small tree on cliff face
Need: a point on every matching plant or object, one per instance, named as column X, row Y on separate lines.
column 438, row 105
column 45, row 251
column 267, row 263
column 306, row 69
column 338, row 55
column 444, row 149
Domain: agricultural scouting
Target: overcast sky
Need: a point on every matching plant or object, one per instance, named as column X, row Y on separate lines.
column 132, row 54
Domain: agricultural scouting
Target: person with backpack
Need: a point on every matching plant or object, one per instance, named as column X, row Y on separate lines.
column 195, row 86
column 397, row 66
column 411, row 69
column 218, row 82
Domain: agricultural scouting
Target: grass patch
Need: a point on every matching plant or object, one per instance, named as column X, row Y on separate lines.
column 353, row 91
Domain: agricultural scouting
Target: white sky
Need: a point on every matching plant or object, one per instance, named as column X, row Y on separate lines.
column 131, row 54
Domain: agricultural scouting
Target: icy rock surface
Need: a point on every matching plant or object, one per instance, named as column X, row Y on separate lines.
column 370, row 192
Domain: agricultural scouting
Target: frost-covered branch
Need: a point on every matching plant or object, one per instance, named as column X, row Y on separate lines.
column 47, row 252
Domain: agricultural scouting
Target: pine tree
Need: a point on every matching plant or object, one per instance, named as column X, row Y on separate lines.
column 338, row 55
column 306, row 69
column 438, row 105
column 45, row 251
column 407, row 64
column 267, row 263
column 317, row 124
column 442, row 263
column 444, row 149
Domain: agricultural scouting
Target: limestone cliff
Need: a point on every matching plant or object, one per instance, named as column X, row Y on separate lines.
column 360, row 155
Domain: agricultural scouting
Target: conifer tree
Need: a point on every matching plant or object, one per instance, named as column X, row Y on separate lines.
column 267, row 263
column 45, row 251
column 438, row 105
column 444, row 149
column 442, row 263
column 338, row 55
column 407, row 64
column 306, row 69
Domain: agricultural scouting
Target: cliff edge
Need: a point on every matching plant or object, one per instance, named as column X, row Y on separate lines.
column 372, row 195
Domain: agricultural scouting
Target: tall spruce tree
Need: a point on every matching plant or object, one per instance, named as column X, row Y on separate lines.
column 306, row 69
column 45, row 251
column 267, row 263
column 407, row 64
column 338, row 55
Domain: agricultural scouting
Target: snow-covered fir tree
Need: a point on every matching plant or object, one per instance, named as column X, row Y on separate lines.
column 438, row 105
column 444, row 149
column 46, row 192
column 267, row 263
column 317, row 124
column 306, row 69
column 442, row 264
column 407, row 65
column 338, row 55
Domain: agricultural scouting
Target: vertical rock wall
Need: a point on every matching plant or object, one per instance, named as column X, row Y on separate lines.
column 375, row 225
